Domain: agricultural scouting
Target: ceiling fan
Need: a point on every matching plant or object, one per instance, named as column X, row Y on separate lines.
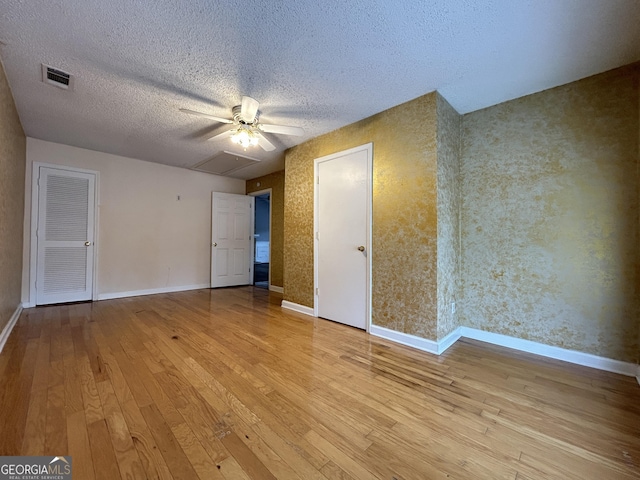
column 247, row 130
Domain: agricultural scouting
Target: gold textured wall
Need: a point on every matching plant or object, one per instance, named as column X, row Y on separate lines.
column 12, row 190
column 550, row 216
column 275, row 182
column 449, row 202
column 404, row 229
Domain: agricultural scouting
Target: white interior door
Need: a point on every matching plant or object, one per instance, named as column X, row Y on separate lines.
column 343, row 199
column 231, row 239
column 64, row 236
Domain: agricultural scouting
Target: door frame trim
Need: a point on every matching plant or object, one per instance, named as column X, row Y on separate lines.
column 35, row 204
column 368, row 147
column 258, row 193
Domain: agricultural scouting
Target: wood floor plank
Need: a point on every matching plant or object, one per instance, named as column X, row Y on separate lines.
column 557, row 443
column 224, row 384
column 14, row 394
column 150, row 458
column 344, row 460
column 264, row 453
column 79, row 447
column 203, row 464
column 56, row 424
column 559, row 460
column 90, row 397
column 288, row 453
column 96, row 361
column 247, row 459
column 466, row 458
column 102, row 454
column 207, row 428
column 73, row 401
column 179, row 465
column 231, row 470
column 35, row 427
column 331, row 470
column 125, row 451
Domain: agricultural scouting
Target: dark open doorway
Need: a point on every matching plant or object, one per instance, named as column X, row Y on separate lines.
column 262, row 240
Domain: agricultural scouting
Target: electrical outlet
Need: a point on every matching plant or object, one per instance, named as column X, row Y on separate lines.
column 453, row 307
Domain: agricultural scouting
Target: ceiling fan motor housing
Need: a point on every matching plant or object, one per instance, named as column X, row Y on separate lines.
column 237, row 116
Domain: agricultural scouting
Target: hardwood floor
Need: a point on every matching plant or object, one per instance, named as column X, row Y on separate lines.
column 224, row 384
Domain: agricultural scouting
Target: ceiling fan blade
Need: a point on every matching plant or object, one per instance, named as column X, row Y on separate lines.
column 225, row 134
column 206, row 115
column 249, row 109
column 282, row 129
column 266, row 145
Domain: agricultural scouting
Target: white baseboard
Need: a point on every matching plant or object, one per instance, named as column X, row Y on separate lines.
column 6, row 331
column 571, row 356
column 297, row 308
column 276, row 289
column 420, row 343
column 152, row 291
column 448, row 340
column 405, row 339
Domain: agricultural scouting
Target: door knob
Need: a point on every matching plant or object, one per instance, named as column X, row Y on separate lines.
column 214, row 244
column 361, row 248
column 87, row 244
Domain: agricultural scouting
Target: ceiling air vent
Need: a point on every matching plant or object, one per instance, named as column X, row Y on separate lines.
column 56, row 77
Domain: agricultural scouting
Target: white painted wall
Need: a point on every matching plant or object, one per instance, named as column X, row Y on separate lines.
column 147, row 239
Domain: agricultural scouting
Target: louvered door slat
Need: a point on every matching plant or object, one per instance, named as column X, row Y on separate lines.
column 67, row 205
column 65, row 225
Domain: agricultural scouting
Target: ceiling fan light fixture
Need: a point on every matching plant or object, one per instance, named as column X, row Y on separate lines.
column 247, row 131
column 245, row 136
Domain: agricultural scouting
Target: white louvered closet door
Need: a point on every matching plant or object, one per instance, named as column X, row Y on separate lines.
column 66, row 201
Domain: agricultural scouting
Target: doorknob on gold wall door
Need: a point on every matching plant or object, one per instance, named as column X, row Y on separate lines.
column 87, row 244
column 361, row 248
column 214, row 244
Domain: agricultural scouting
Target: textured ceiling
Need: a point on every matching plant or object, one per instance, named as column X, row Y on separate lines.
column 316, row 64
